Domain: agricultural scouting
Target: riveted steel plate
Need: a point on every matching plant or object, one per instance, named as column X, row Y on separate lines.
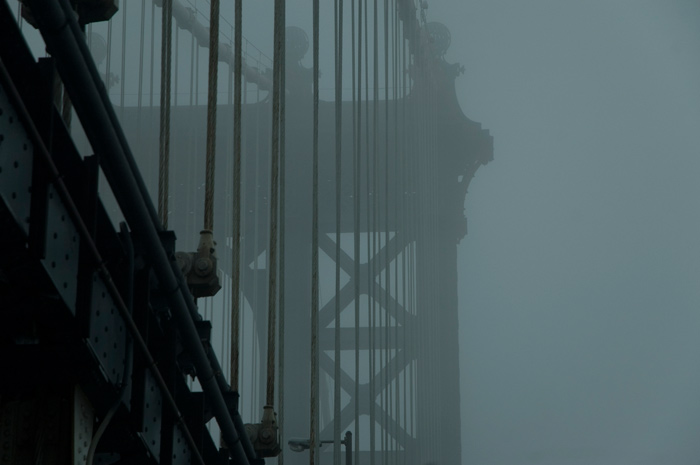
column 107, row 332
column 182, row 455
column 152, row 415
column 62, row 246
column 15, row 164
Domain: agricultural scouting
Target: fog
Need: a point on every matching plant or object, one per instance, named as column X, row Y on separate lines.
column 579, row 277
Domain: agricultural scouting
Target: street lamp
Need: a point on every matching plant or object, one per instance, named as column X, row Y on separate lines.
column 300, row 445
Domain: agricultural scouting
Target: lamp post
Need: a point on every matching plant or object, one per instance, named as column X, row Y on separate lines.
column 299, row 445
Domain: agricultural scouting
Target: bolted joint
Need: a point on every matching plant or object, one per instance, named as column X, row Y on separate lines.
column 203, row 266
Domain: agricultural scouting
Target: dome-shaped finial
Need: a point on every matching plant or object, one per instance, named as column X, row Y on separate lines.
column 296, row 43
column 440, row 37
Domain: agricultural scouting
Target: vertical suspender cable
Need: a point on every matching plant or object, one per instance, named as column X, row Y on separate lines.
column 237, row 197
column 151, row 89
column 226, row 324
column 398, row 225
column 274, row 198
column 370, row 269
column 405, row 227
column 151, row 76
column 66, row 106
column 357, row 99
column 139, row 95
column 153, row 42
column 256, row 238
column 397, row 203
column 177, row 54
column 393, row 395
column 242, row 225
column 387, row 271
column 211, row 114
column 398, row 247
column 164, row 146
column 422, row 369
column 192, row 149
column 108, row 59
column 375, row 219
column 225, row 315
column 282, row 215
column 173, row 88
column 338, row 179
column 123, row 70
column 313, row 442
column 436, row 286
column 196, row 81
column 412, row 182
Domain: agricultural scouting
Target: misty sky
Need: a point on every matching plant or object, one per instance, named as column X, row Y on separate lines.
column 580, row 305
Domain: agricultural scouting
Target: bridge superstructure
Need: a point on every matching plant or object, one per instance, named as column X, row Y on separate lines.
column 389, row 233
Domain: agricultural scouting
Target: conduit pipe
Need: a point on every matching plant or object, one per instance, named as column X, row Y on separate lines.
column 65, row 42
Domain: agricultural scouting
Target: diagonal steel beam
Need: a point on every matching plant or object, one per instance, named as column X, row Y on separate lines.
column 346, row 296
column 385, row 420
column 347, row 263
column 326, row 363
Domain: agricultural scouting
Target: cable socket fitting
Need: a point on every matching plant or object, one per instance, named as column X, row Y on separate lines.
column 265, row 435
column 200, row 268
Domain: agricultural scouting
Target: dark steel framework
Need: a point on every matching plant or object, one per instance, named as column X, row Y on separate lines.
column 77, row 295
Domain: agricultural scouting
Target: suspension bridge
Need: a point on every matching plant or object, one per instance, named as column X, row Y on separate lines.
column 214, row 259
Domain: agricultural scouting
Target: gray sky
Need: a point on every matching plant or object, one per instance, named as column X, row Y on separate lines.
column 579, row 277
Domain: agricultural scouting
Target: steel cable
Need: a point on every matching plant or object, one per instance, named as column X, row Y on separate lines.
column 356, row 147
column 211, row 114
column 164, row 144
column 370, row 269
column 406, row 250
column 237, row 199
column 314, row 420
column 386, row 391
column 139, row 95
column 164, row 160
column 282, row 215
column 274, row 199
column 395, row 374
column 338, row 177
column 123, row 64
column 375, row 227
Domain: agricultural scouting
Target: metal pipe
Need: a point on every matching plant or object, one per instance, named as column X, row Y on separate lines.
column 57, row 23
